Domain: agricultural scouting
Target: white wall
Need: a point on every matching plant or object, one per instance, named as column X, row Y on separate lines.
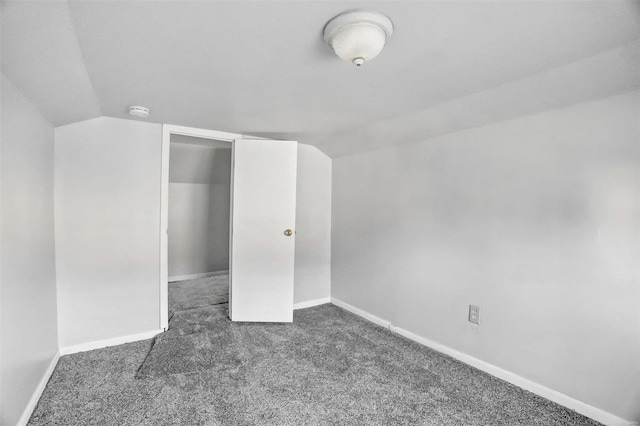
column 29, row 338
column 107, row 211
column 188, row 248
column 313, row 226
column 219, row 211
column 198, row 228
column 199, row 203
column 107, row 189
column 537, row 220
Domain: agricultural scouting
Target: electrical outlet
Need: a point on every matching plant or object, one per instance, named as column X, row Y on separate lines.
column 392, row 328
column 474, row 314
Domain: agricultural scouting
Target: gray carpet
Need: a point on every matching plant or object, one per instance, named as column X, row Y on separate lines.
column 209, row 290
column 327, row 368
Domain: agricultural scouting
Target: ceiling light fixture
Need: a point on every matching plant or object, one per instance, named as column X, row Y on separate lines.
column 139, row 111
column 358, row 36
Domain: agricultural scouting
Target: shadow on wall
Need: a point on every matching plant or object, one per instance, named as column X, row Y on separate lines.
column 199, row 203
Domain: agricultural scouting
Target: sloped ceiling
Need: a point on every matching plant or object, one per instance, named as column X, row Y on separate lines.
column 262, row 68
column 195, row 160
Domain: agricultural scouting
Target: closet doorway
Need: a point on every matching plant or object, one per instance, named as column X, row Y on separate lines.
column 195, row 217
column 198, row 222
column 210, row 178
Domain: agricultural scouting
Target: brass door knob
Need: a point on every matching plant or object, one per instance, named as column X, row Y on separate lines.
column 288, row 232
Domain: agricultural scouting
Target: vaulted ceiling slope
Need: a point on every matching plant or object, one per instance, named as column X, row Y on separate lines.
column 200, row 161
column 262, row 68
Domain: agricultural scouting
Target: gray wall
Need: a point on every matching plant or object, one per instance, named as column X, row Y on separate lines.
column 313, row 226
column 107, row 211
column 188, row 248
column 219, row 211
column 198, row 228
column 28, row 329
column 199, row 203
column 537, row 220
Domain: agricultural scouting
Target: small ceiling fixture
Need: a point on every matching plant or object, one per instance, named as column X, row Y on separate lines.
column 358, row 36
column 139, row 111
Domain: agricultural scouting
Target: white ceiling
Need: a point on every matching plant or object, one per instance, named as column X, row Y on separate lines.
column 262, row 68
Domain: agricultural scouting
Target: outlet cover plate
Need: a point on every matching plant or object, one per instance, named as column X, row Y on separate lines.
column 474, row 314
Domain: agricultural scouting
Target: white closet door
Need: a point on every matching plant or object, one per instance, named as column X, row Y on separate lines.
column 263, row 213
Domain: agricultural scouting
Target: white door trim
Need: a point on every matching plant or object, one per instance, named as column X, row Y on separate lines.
column 167, row 131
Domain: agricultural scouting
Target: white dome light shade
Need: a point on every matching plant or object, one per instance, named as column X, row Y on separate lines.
column 358, row 36
column 358, row 43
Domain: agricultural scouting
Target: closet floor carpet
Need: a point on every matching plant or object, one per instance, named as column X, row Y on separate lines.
column 209, row 290
column 329, row 367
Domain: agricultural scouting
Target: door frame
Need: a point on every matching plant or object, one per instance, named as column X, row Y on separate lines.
column 167, row 131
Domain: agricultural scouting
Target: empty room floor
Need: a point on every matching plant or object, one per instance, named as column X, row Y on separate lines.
column 329, row 367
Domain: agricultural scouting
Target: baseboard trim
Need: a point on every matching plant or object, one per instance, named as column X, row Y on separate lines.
column 37, row 393
column 533, row 387
column 310, row 303
column 364, row 314
column 194, row 276
column 89, row 346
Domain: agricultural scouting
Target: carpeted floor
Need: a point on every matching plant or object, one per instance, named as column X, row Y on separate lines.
column 210, row 290
column 329, row 367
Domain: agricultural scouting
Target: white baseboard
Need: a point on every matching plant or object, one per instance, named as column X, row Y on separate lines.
column 37, row 393
column 194, row 276
column 310, row 303
column 533, row 387
column 89, row 346
column 364, row 314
